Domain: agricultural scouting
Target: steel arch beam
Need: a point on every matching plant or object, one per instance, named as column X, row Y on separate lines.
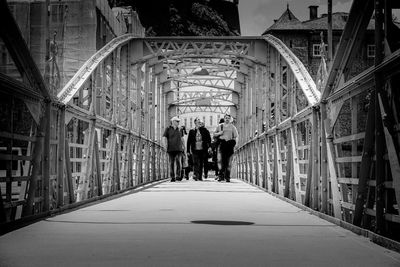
column 303, row 77
column 306, row 83
column 81, row 76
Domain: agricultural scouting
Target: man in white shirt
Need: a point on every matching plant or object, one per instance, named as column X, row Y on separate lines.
column 228, row 135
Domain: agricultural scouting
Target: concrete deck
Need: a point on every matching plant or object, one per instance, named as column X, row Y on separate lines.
column 155, row 227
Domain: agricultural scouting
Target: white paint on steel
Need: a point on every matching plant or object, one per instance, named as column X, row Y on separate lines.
column 305, row 80
column 306, row 83
column 80, row 77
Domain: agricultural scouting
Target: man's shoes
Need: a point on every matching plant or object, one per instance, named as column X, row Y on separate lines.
column 172, row 180
column 228, row 180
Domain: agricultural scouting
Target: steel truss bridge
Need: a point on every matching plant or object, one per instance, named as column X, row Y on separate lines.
column 334, row 148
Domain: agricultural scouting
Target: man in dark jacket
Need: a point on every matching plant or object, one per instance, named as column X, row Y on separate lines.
column 199, row 140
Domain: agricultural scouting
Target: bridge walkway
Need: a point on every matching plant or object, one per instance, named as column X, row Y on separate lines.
column 190, row 223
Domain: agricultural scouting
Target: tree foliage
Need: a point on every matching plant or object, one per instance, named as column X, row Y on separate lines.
column 179, row 18
column 207, row 21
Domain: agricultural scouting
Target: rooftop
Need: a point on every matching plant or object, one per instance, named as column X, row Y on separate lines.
column 288, row 21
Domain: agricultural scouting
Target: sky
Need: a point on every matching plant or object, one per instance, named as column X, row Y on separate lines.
column 257, row 15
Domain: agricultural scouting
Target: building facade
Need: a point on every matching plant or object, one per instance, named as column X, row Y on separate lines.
column 76, row 30
column 304, row 38
column 211, row 120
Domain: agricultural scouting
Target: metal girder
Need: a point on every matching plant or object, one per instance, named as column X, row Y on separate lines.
column 196, row 47
column 236, row 62
column 207, row 81
column 171, row 48
column 219, row 63
column 193, row 96
column 203, row 105
column 19, row 51
column 171, row 56
column 304, row 79
column 11, row 86
column 204, row 83
column 194, row 109
column 222, row 75
column 84, row 73
column 351, row 37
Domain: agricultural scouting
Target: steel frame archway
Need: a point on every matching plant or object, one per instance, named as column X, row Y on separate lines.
column 105, row 125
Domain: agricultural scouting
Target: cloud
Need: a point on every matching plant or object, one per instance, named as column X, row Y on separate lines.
column 255, row 16
column 337, row 6
column 255, row 26
column 263, row 8
column 342, row 6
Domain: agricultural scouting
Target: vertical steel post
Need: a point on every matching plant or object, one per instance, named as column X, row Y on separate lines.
column 324, row 161
column 61, row 158
column 365, row 168
column 47, row 40
column 46, row 158
column 330, row 35
column 379, row 135
column 315, row 161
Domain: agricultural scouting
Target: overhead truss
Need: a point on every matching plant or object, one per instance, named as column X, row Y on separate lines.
column 200, row 97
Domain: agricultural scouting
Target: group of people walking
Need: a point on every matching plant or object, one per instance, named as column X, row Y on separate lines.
column 199, row 146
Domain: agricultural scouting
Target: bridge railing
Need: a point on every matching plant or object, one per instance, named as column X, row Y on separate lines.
column 81, row 158
column 340, row 154
column 100, row 136
column 319, row 163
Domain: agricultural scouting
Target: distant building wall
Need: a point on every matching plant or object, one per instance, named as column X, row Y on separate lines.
column 116, row 26
column 77, row 30
column 211, row 120
column 131, row 19
column 303, row 42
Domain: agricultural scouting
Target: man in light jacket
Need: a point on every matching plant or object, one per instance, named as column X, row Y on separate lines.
column 228, row 135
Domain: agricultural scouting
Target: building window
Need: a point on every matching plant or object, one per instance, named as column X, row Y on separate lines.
column 211, row 120
column 316, row 50
column 370, row 51
column 186, row 123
